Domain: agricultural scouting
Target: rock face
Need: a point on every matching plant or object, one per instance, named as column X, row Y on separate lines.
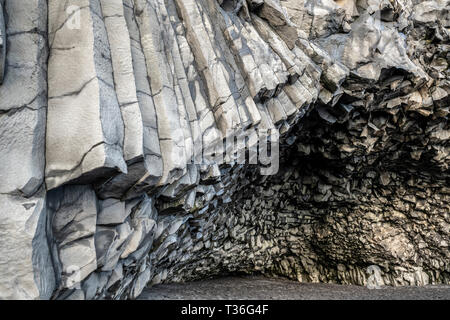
column 26, row 265
column 81, row 82
column 2, row 43
column 160, row 141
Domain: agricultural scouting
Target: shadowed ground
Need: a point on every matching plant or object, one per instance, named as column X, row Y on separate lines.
column 258, row 287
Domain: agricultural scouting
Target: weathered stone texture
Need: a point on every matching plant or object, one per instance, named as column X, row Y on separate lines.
column 23, row 99
column 134, row 121
column 26, row 264
column 73, row 214
column 82, row 104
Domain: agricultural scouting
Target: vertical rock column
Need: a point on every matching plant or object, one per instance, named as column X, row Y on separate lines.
column 155, row 47
column 149, row 168
column 85, row 130
column 153, row 162
column 119, row 40
column 26, row 267
column 196, row 100
column 25, row 264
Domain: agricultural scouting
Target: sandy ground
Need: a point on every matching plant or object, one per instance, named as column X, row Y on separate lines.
column 261, row 288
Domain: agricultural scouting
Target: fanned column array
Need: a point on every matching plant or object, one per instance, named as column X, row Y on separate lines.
column 124, row 79
column 152, row 95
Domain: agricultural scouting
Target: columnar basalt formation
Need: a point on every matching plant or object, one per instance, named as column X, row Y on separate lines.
column 118, row 161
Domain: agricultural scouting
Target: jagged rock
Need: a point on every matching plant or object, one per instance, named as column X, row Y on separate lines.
column 25, row 261
column 76, row 294
column 158, row 120
column 278, row 18
column 27, row 270
column 315, row 19
column 110, row 244
column 23, row 116
column 73, row 212
column 80, row 82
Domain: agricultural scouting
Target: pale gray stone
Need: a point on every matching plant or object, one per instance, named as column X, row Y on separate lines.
column 213, row 70
column 144, row 181
column 110, row 242
column 143, row 221
column 23, row 116
column 81, row 83
column 171, row 134
column 2, row 44
column 25, row 262
column 119, row 41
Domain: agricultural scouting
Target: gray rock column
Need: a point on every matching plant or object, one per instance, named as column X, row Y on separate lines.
column 159, row 71
column 2, row 43
column 25, row 263
column 85, row 130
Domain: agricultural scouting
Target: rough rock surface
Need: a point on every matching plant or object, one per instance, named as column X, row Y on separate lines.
column 118, row 161
column 2, row 42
